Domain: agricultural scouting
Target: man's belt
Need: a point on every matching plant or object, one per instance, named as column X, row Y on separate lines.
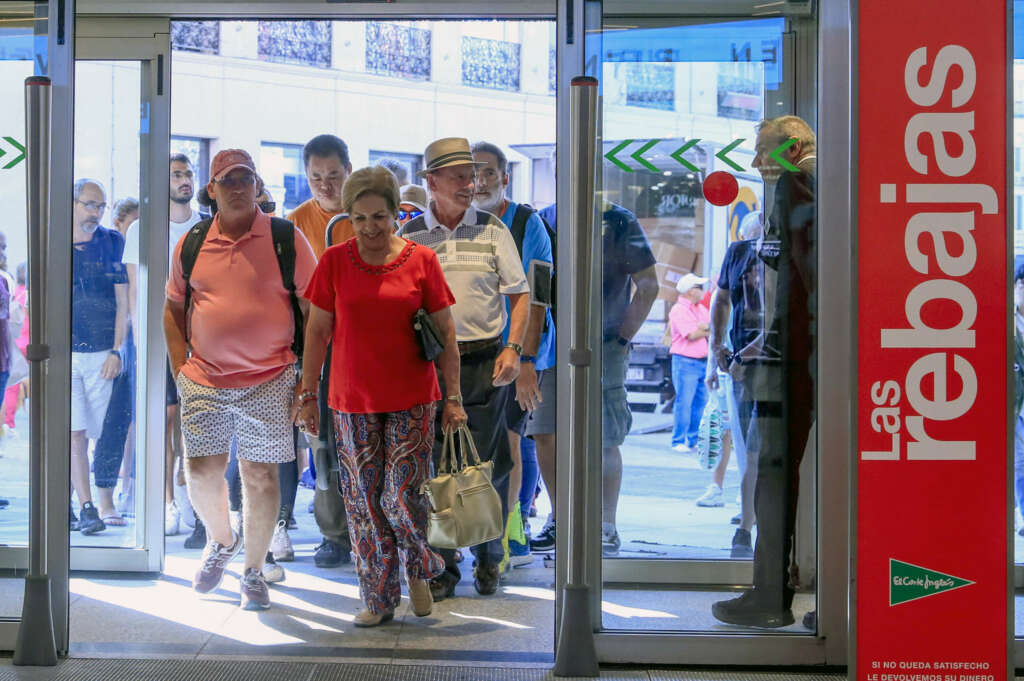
column 473, row 347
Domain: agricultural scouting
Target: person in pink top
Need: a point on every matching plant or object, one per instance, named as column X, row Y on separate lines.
column 236, row 373
column 383, row 392
column 690, row 324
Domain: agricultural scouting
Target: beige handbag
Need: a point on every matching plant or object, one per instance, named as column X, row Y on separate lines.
column 465, row 508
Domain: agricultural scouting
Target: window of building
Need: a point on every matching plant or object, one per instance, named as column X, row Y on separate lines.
column 198, row 151
column 398, row 50
column 741, row 90
column 412, row 163
column 196, row 36
column 493, row 64
column 651, row 86
column 284, row 174
column 296, row 42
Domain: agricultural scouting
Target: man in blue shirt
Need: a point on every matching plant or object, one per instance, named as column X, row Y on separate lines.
column 99, row 321
column 627, row 263
column 532, row 412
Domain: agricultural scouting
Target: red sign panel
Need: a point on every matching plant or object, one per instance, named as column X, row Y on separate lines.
column 932, row 554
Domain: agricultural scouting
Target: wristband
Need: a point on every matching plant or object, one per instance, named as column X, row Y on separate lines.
column 514, row 347
column 116, row 353
column 457, row 399
column 528, row 358
column 307, row 396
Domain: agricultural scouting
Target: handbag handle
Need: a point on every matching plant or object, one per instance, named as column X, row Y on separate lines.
column 447, row 452
column 468, row 445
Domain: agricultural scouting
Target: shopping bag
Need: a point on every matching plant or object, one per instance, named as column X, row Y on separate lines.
column 465, row 509
column 709, row 434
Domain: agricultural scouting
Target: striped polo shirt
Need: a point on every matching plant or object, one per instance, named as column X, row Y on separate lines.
column 481, row 264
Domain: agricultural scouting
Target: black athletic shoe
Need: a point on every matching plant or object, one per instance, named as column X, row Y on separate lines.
column 443, row 586
column 741, row 547
column 89, row 519
column 485, row 578
column 750, row 610
column 545, row 540
column 331, row 554
column 197, row 540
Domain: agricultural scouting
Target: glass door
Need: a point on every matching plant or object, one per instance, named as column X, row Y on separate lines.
column 705, row 513
column 117, row 351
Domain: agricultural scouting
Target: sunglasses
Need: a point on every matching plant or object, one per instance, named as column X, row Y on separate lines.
column 409, row 214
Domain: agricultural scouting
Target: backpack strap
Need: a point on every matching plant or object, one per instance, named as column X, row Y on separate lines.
column 189, row 252
column 518, row 226
column 283, row 233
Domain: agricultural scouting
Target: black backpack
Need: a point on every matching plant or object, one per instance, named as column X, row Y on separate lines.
column 518, row 229
column 283, row 234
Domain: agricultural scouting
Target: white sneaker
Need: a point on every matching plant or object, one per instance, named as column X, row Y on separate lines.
column 273, row 573
column 281, row 543
column 712, row 497
column 682, row 448
column 172, row 519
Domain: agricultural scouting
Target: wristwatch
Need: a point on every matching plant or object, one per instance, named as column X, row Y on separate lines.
column 516, row 347
column 528, row 358
column 457, row 399
column 117, row 353
column 622, row 340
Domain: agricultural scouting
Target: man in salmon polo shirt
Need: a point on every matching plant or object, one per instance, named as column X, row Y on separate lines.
column 327, row 167
column 236, row 375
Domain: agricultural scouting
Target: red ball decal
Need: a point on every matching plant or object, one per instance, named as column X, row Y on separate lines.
column 721, row 188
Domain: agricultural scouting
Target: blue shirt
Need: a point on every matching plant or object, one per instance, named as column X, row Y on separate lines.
column 536, row 246
column 96, row 269
column 626, row 252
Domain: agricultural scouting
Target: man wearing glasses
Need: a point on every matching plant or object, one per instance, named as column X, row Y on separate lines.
column 99, row 319
column 327, row 167
column 234, row 369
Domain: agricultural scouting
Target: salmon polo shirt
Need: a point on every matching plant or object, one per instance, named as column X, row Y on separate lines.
column 240, row 318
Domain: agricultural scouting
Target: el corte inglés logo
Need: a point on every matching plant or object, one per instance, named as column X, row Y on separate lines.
column 908, row 582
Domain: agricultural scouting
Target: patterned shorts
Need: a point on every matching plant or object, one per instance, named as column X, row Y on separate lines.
column 258, row 416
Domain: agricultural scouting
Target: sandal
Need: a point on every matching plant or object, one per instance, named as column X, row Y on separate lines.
column 114, row 520
column 365, row 618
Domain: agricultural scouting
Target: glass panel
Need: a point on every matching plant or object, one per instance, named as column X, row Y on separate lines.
column 104, row 368
column 687, row 184
column 22, row 54
column 1018, row 302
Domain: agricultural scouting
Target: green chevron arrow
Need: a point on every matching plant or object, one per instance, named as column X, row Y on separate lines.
column 678, row 156
column 13, row 142
column 611, row 156
column 776, row 154
column 721, row 155
column 637, row 155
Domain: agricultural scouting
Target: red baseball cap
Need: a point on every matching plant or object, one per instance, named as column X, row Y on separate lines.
column 227, row 160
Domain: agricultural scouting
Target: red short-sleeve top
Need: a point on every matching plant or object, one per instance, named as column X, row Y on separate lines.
column 377, row 365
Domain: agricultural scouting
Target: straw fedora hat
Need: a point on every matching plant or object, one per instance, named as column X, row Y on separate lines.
column 447, row 151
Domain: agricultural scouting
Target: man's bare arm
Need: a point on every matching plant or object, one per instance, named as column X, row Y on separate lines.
column 646, row 291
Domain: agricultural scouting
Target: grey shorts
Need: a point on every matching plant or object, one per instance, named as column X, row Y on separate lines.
column 542, row 419
column 616, row 419
column 258, row 416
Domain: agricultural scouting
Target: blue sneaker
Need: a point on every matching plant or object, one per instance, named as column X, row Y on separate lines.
column 306, row 479
column 519, row 554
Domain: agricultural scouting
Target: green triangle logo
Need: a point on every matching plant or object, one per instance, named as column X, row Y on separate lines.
column 908, row 582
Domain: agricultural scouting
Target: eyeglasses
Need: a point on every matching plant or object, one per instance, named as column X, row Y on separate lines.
column 235, row 182
column 409, row 214
column 93, row 205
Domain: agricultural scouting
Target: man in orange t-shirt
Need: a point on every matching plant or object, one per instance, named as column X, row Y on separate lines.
column 327, row 167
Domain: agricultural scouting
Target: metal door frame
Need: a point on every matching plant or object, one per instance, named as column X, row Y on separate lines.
column 832, row 101
column 146, row 41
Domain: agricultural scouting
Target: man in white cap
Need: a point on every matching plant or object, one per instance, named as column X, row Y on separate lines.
column 233, row 360
column 482, row 267
column 690, row 324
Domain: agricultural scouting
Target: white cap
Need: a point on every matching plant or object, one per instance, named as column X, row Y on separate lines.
column 688, row 281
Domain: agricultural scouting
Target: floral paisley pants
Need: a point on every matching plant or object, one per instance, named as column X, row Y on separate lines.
column 384, row 460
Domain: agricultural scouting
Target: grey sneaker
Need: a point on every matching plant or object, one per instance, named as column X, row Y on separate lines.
column 216, row 556
column 255, row 592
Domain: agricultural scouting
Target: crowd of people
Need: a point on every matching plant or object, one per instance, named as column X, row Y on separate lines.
column 292, row 340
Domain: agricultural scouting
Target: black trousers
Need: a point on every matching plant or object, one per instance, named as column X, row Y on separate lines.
column 486, row 408
column 783, row 427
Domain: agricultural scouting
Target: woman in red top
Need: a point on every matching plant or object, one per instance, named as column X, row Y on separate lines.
column 364, row 294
